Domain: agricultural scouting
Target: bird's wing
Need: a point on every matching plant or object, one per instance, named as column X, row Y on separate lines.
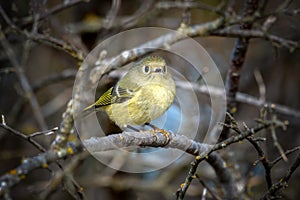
column 105, row 99
column 115, row 94
column 121, row 94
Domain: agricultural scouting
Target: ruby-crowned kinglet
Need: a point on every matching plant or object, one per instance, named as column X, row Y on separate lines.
column 143, row 94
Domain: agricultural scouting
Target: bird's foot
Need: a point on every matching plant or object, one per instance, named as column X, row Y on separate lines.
column 156, row 130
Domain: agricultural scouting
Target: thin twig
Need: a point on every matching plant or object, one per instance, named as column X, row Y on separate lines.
column 212, row 193
column 242, row 135
column 166, row 5
column 240, row 97
column 68, row 74
column 276, row 160
column 48, row 132
column 23, row 81
column 266, row 163
column 112, row 14
column 64, row 175
column 275, row 40
column 261, row 154
column 54, row 10
column 23, row 136
column 42, row 160
column 78, row 54
column 282, row 183
column 274, row 137
column 261, row 85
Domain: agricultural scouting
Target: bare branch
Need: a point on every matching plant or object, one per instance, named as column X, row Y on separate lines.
column 78, row 54
column 286, row 153
column 266, row 163
column 240, row 97
column 14, row 176
column 23, row 136
column 282, row 183
column 127, row 139
column 213, row 194
column 65, row 175
column 23, row 81
column 166, row 5
column 65, row 129
column 275, row 40
column 68, row 74
column 237, row 61
column 54, row 10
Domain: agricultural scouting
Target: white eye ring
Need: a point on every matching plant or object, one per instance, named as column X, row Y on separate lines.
column 146, row 69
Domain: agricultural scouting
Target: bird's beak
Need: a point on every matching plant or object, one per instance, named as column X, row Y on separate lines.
column 157, row 70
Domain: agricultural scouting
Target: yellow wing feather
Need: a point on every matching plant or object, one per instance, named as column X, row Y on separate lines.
column 105, row 99
column 113, row 95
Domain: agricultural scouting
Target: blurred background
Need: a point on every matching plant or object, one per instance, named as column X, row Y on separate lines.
column 51, row 72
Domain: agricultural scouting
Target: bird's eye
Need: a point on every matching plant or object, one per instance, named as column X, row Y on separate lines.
column 146, row 69
column 164, row 69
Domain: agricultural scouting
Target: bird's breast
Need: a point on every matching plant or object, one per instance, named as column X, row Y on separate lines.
column 147, row 104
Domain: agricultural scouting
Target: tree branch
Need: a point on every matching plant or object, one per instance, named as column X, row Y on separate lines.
column 23, row 81
column 128, row 139
column 282, row 183
column 42, row 160
column 237, row 61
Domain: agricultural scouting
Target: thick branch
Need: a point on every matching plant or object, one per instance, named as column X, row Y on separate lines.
column 181, row 142
column 65, row 129
column 127, row 139
column 238, row 57
column 237, row 61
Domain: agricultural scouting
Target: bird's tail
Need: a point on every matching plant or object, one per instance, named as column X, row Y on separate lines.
column 87, row 111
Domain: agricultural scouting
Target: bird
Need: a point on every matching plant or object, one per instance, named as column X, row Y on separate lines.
column 143, row 94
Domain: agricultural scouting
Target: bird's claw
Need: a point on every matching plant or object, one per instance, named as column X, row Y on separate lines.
column 158, row 130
